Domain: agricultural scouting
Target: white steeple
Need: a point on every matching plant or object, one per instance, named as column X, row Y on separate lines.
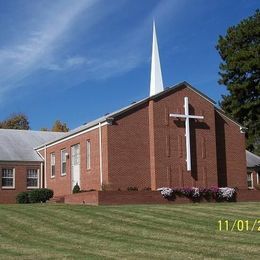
column 156, row 83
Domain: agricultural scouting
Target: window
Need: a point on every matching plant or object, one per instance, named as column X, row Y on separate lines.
column 52, row 165
column 32, row 178
column 75, row 155
column 63, row 162
column 250, row 180
column 258, row 177
column 8, row 178
column 88, row 154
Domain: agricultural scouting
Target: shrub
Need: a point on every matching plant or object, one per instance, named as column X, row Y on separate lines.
column 132, row 188
column 76, row 189
column 40, row 195
column 166, row 192
column 226, row 193
column 195, row 194
column 22, row 198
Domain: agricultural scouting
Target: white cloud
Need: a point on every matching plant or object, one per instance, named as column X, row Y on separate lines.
column 69, row 63
column 20, row 60
column 41, row 50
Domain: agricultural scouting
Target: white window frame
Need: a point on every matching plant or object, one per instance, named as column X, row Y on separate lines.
column 53, row 162
column 61, row 162
column 38, row 179
column 257, row 178
column 8, row 187
column 252, row 180
column 88, row 154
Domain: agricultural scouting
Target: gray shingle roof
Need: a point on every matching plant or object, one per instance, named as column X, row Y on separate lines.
column 252, row 160
column 18, row 145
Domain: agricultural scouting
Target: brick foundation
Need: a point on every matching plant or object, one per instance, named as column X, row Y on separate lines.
column 142, row 197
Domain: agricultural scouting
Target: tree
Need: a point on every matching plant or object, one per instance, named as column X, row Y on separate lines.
column 16, row 121
column 239, row 50
column 58, row 126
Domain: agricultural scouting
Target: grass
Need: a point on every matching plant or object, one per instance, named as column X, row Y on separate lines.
column 188, row 231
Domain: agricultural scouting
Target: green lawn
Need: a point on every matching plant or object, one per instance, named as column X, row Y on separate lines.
column 188, row 231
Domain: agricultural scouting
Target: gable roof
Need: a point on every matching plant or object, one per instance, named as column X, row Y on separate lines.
column 18, row 145
column 125, row 109
column 252, row 160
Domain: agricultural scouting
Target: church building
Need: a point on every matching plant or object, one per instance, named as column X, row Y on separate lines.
column 176, row 137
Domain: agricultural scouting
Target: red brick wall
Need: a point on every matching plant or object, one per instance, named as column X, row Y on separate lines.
column 170, row 150
column 120, row 197
column 135, row 197
column 90, row 198
column 128, row 151
column 130, row 156
column 248, row 195
column 9, row 195
column 230, row 153
column 152, row 144
column 89, row 179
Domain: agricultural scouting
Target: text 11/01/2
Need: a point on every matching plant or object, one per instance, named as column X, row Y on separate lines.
column 239, row 225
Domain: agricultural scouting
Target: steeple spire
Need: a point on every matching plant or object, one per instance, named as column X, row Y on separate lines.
column 156, row 83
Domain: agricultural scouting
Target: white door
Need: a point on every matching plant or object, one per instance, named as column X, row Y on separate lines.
column 75, row 165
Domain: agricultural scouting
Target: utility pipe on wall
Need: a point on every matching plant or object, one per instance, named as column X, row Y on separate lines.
column 100, row 155
column 45, row 167
column 42, row 175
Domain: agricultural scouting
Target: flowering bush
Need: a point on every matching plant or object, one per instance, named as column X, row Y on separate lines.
column 195, row 194
column 166, row 192
column 226, row 193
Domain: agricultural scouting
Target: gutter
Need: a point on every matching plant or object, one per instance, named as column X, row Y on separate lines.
column 70, row 136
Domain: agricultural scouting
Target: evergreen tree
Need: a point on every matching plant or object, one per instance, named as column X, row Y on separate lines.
column 239, row 50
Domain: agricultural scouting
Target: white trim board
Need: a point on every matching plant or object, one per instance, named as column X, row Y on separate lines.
column 223, row 114
column 71, row 136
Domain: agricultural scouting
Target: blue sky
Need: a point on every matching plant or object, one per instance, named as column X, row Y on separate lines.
column 78, row 60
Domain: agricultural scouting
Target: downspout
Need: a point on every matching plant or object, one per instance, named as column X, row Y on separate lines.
column 100, row 156
column 42, row 176
column 41, row 170
column 45, row 167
